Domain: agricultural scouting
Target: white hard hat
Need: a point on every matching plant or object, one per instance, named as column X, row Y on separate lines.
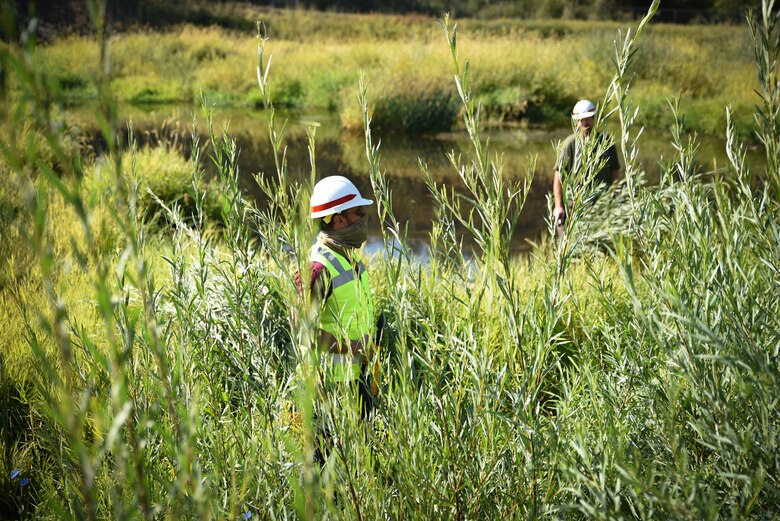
column 335, row 194
column 583, row 109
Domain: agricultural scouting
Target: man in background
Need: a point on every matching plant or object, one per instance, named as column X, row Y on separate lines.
column 571, row 158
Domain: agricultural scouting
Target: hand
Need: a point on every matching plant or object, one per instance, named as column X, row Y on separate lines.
column 362, row 348
column 559, row 216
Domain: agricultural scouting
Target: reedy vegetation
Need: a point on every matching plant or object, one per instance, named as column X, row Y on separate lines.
column 629, row 370
column 528, row 70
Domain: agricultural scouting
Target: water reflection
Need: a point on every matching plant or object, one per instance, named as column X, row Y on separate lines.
column 412, row 202
column 343, row 153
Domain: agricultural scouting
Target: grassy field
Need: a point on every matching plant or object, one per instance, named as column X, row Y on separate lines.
column 152, row 328
column 531, row 71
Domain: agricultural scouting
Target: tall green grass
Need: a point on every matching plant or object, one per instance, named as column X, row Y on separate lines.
column 626, row 371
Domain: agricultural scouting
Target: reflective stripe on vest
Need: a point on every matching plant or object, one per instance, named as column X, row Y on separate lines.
column 341, row 367
column 345, row 275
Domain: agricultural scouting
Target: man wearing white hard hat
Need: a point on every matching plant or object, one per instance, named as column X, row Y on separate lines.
column 341, row 286
column 570, row 159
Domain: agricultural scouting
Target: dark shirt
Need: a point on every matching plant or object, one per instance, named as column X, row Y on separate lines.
column 569, row 159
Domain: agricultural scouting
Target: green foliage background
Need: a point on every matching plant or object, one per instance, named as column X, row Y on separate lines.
column 151, row 368
column 530, row 70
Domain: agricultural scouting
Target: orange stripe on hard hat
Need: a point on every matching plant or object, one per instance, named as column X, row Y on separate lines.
column 331, row 204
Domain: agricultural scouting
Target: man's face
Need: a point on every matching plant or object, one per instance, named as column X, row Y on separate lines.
column 348, row 217
column 585, row 125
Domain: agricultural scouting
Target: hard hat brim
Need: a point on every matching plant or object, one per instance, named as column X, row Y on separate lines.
column 357, row 201
column 583, row 115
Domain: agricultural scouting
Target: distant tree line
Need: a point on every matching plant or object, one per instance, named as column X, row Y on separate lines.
column 676, row 11
column 74, row 13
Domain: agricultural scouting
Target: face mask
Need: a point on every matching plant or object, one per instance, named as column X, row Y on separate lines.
column 350, row 237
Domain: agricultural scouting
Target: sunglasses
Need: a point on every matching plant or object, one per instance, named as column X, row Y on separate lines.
column 357, row 211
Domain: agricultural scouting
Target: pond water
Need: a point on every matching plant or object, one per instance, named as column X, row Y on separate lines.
column 342, row 152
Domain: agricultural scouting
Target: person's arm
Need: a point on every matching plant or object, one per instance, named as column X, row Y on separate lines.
column 320, row 291
column 360, row 347
column 615, row 172
column 562, row 165
column 559, row 210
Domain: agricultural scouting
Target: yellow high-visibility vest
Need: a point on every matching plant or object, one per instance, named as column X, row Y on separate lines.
column 348, row 310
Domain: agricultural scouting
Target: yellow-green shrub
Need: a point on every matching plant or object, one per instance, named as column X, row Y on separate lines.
column 157, row 170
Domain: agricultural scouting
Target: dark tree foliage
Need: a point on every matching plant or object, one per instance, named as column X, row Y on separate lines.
column 55, row 16
column 681, row 11
column 686, row 11
column 73, row 15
